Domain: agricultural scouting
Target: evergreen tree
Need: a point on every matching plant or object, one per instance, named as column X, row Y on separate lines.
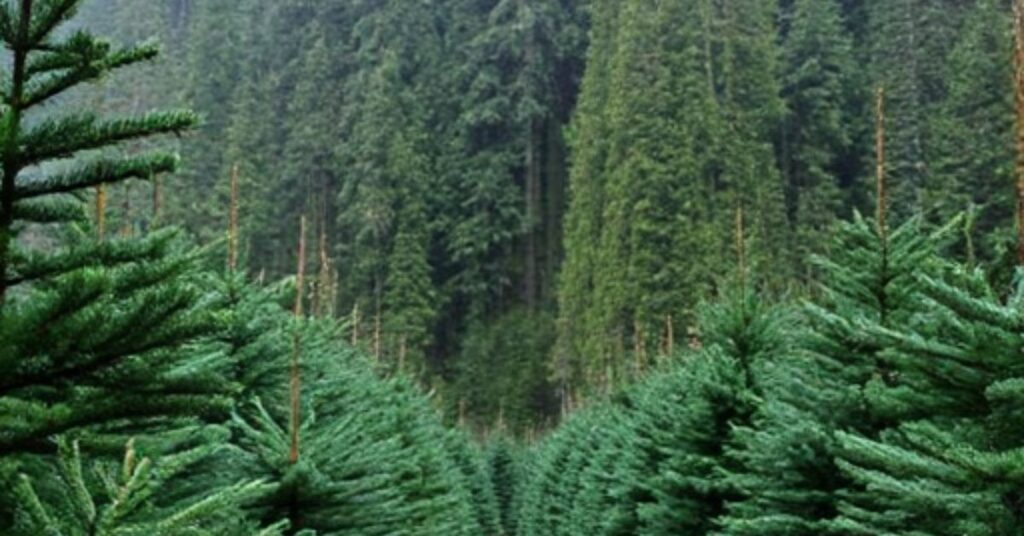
column 371, row 457
column 72, row 508
column 909, row 43
column 63, row 369
column 97, row 336
column 584, row 218
column 951, row 465
column 787, row 470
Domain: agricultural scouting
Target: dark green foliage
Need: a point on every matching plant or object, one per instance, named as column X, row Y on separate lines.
column 820, row 89
column 651, row 461
column 373, row 458
column 509, row 356
column 670, row 141
column 504, row 465
column 974, row 153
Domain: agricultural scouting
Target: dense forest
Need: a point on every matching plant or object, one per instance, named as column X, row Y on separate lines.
column 512, row 267
column 520, row 202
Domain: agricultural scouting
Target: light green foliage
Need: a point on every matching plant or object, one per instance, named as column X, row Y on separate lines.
column 125, row 508
column 651, row 461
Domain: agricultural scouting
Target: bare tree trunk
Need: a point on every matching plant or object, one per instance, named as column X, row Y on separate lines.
column 101, row 211
column 881, row 185
column 295, row 384
column 1018, row 18
column 233, row 222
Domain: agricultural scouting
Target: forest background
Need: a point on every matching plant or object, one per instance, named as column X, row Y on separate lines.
column 522, row 202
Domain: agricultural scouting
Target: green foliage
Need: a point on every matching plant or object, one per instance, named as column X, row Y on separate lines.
column 509, row 356
column 651, row 461
column 952, row 464
column 789, row 478
column 820, row 88
column 676, row 145
column 71, row 507
column 373, row 458
column 504, row 465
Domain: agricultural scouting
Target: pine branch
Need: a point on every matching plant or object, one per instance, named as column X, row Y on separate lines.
column 103, row 171
column 50, row 211
column 63, row 138
column 47, row 17
column 89, row 69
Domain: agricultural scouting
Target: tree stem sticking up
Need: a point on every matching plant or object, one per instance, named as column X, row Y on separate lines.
column 741, row 246
column 101, row 211
column 233, row 222
column 295, row 384
column 882, row 190
column 1018, row 60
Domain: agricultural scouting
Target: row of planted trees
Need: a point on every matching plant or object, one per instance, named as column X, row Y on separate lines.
column 889, row 404
column 886, row 403
column 146, row 390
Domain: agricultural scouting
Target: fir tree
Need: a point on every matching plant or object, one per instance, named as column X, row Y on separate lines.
column 787, row 474
column 950, row 466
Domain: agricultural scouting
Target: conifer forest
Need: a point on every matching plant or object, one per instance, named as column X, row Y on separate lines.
column 512, row 268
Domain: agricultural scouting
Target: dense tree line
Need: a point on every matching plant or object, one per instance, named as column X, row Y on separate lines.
column 570, row 170
column 148, row 389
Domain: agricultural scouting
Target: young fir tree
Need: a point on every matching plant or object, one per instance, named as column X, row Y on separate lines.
column 787, row 474
column 952, row 464
column 63, row 369
column 96, row 335
column 504, row 461
column 651, row 462
column 371, row 458
column 553, row 474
